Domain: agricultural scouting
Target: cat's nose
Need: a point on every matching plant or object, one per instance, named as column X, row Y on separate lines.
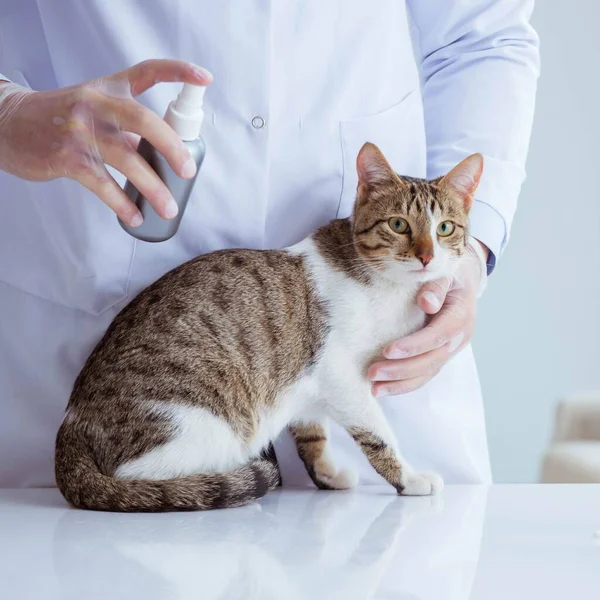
column 425, row 258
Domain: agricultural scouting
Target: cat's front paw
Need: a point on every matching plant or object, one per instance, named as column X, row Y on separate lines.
column 422, row 484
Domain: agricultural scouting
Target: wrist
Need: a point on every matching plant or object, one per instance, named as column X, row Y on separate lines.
column 480, row 254
column 484, row 248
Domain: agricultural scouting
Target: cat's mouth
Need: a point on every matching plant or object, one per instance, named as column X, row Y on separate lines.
column 403, row 268
column 414, row 266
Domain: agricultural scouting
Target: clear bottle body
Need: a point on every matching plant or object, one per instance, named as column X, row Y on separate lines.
column 155, row 228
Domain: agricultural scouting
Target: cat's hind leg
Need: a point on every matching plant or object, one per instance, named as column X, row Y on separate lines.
column 313, row 448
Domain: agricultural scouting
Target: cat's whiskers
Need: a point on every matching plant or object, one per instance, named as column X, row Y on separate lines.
column 346, row 245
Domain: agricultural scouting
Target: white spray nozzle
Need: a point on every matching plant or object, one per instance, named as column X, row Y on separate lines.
column 190, row 98
column 185, row 114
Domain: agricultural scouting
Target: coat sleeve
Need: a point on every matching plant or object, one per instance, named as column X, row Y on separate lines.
column 479, row 65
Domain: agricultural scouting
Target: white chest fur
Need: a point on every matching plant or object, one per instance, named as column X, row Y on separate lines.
column 363, row 318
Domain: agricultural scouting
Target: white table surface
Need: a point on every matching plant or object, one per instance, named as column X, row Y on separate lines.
column 502, row 542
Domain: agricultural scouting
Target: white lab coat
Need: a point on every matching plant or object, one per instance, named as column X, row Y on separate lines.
column 325, row 77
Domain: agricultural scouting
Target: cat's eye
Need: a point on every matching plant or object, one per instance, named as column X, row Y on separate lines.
column 446, row 228
column 399, row 225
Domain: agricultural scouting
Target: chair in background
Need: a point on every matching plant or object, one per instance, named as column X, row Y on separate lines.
column 574, row 453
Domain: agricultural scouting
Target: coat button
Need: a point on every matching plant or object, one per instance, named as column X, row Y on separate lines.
column 258, row 122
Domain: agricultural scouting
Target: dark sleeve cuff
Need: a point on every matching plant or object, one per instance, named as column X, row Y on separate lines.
column 489, row 228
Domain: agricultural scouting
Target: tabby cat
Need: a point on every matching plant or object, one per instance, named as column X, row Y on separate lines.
column 179, row 403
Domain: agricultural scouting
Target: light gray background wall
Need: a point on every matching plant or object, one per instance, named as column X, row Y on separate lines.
column 538, row 332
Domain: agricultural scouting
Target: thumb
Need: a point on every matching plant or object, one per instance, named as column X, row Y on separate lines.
column 150, row 72
column 431, row 296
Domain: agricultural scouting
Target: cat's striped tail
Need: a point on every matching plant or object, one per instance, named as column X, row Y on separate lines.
column 84, row 486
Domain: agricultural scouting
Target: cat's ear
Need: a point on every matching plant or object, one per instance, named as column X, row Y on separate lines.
column 464, row 178
column 372, row 166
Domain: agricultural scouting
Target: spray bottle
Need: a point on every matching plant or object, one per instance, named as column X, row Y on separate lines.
column 185, row 116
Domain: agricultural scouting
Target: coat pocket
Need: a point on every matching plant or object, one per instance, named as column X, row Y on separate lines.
column 400, row 134
column 60, row 243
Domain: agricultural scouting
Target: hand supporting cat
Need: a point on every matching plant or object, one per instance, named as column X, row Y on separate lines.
column 410, row 363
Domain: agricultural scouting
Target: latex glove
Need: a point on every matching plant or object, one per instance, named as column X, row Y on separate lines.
column 75, row 131
column 411, row 362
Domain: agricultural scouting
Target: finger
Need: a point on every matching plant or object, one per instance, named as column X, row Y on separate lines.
column 408, row 368
column 119, row 154
column 395, row 388
column 446, row 326
column 101, row 183
column 432, row 294
column 135, row 118
column 133, row 139
column 146, row 74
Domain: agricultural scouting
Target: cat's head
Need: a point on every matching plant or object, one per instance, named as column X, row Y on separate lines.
column 412, row 228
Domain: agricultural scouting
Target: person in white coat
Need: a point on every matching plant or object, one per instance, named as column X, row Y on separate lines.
column 298, row 88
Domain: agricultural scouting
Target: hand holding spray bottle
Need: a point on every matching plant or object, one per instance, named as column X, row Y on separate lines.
column 185, row 116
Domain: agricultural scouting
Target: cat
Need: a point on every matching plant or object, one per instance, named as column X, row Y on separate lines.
column 179, row 403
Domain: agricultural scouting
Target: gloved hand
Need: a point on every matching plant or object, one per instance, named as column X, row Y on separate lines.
column 73, row 132
column 411, row 362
